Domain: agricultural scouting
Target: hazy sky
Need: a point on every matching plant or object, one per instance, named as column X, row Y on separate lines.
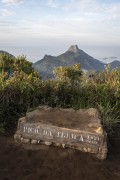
column 38, row 27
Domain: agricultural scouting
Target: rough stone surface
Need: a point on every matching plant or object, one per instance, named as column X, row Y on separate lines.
column 48, row 143
column 79, row 129
column 33, row 141
column 26, row 140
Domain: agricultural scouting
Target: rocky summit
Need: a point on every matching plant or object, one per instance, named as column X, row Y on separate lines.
column 74, row 49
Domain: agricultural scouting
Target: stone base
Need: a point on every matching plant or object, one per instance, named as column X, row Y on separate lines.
column 66, row 128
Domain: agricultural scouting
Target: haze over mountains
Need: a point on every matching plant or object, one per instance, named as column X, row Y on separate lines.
column 72, row 56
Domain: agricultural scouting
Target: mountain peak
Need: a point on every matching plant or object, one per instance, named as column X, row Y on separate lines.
column 73, row 48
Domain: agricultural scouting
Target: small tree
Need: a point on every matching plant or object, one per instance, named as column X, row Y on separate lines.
column 6, row 63
column 72, row 74
column 10, row 64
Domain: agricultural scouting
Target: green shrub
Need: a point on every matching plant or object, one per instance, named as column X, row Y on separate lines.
column 16, row 90
column 103, row 92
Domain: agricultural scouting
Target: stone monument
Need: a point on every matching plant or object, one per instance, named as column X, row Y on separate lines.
column 79, row 129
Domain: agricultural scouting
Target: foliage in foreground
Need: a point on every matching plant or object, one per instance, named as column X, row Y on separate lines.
column 21, row 89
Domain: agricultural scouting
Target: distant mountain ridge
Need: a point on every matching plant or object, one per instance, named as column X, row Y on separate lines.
column 114, row 64
column 4, row 52
column 72, row 56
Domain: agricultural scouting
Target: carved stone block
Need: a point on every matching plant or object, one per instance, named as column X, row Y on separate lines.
column 79, row 129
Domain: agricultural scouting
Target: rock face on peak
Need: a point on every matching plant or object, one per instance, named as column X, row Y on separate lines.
column 72, row 56
column 74, row 49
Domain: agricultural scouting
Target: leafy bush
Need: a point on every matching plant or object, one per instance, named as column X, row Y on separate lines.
column 103, row 92
column 16, row 90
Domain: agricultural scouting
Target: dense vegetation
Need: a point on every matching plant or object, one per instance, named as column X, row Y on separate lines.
column 22, row 89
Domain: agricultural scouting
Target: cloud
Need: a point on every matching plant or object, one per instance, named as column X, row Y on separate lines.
column 52, row 3
column 8, row 2
column 92, row 9
column 7, row 8
column 6, row 12
column 7, row 23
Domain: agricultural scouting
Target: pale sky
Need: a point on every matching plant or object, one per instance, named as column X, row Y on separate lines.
column 38, row 27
